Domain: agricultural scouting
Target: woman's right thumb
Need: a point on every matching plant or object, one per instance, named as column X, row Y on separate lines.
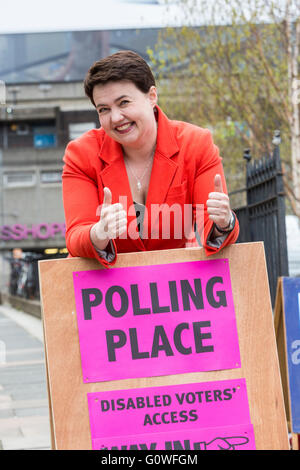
column 107, row 198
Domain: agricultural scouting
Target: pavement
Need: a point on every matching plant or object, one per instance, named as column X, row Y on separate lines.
column 24, row 411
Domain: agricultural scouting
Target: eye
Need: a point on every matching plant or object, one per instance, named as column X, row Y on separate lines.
column 124, row 102
column 102, row 110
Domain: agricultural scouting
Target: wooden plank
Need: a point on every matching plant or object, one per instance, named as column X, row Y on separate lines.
column 295, row 441
column 279, row 325
column 52, row 433
column 256, row 333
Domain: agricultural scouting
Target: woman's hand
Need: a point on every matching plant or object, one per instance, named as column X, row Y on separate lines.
column 112, row 223
column 218, row 206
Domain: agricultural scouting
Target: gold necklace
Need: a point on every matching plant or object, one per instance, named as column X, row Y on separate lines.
column 140, row 179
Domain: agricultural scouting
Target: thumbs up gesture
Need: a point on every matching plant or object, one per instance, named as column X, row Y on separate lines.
column 112, row 223
column 218, row 206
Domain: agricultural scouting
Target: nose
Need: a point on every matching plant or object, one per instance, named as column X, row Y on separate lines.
column 116, row 115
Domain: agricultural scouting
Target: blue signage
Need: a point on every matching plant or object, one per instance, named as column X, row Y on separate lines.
column 44, row 140
column 291, row 299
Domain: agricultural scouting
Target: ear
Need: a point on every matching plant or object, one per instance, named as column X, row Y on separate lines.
column 152, row 93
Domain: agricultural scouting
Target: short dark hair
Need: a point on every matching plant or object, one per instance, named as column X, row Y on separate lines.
column 123, row 65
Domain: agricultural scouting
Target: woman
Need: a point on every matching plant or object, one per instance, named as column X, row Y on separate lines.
column 147, row 177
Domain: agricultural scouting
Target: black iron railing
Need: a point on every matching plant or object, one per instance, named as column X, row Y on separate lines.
column 263, row 217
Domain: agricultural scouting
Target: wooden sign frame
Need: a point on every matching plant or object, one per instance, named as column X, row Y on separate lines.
column 69, row 416
column 281, row 339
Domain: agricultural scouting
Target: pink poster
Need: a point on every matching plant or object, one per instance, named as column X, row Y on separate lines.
column 208, row 415
column 156, row 320
column 228, row 438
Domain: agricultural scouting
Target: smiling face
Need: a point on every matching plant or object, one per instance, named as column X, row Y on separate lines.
column 125, row 113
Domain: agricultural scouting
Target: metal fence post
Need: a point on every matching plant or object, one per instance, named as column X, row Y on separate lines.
column 282, row 239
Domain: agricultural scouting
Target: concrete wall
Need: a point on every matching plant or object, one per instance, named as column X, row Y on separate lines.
column 66, row 95
column 38, row 203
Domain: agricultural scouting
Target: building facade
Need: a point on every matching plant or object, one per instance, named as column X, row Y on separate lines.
column 36, row 123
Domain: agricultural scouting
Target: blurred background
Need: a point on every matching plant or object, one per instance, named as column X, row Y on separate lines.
column 230, row 66
column 45, row 52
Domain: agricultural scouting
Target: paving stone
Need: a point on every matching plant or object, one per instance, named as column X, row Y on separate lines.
column 26, row 357
column 7, row 413
column 19, row 342
column 26, row 443
column 26, row 377
column 4, row 399
column 24, row 409
column 36, row 411
column 35, row 391
column 35, row 426
column 10, row 428
column 17, row 404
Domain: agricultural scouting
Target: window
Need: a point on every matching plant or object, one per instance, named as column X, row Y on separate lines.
column 19, row 129
column 51, row 176
column 20, row 178
column 44, row 136
column 22, row 129
column 79, row 128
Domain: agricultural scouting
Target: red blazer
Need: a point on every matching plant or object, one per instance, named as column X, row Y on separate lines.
column 185, row 163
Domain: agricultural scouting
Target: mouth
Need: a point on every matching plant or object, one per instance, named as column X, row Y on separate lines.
column 124, row 128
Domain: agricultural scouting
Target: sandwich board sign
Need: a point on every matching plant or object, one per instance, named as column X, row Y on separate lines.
column 162, row 352
column 287, row 326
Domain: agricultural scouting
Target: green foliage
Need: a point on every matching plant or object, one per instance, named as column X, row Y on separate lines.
column 230, row 75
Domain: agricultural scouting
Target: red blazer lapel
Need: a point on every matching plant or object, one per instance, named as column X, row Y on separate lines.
column 164, row 169
column 114, row 175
